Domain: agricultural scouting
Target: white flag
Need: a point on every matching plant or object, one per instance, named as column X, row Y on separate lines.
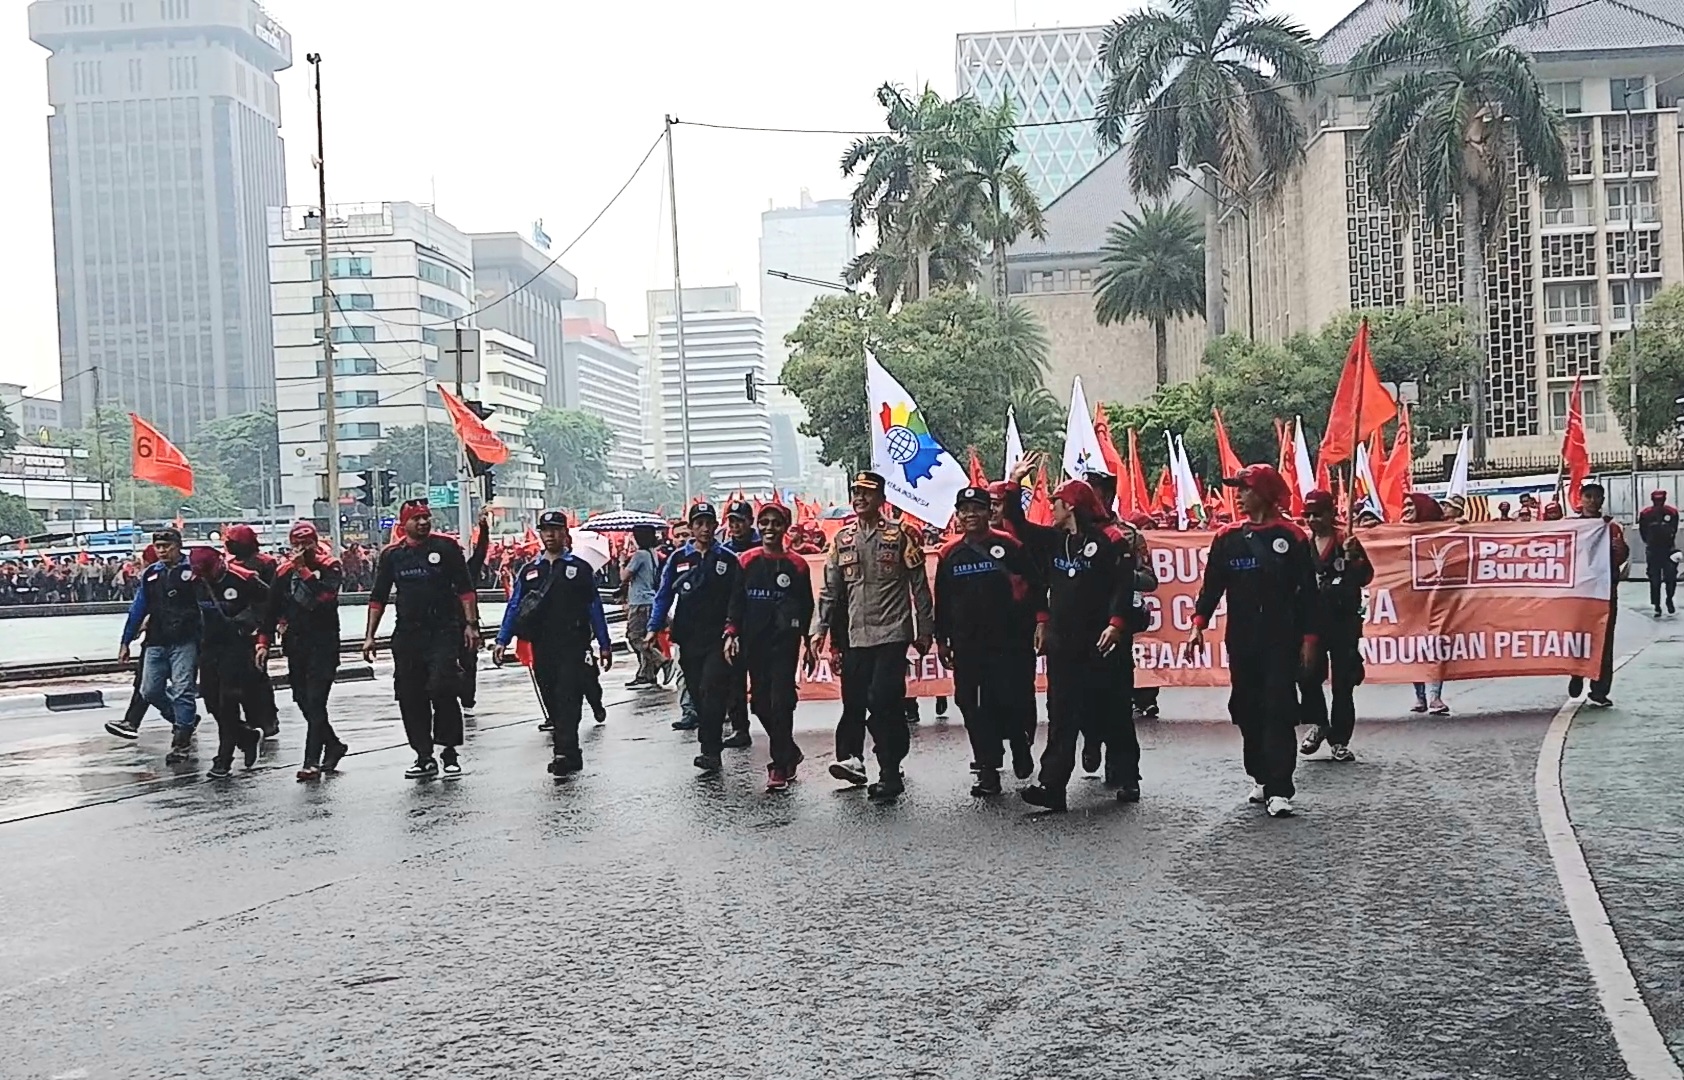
column 1367, row 493
column 1014, row 441
column 1081, row 445
column 1459, row 471
column 920, row 476
column 1301, row 459
column 1188, row 507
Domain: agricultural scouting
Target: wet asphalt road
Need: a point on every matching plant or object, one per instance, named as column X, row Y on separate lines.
column 639, row 921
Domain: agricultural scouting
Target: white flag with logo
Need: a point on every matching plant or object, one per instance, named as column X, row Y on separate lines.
column 920, row 477
column 1301, row 459
column 1081, row 445
column 1014, row 441
column 1459, row 471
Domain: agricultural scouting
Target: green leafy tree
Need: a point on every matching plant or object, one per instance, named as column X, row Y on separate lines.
column 16, row 519
column 574, row 445
column 245, row 448
column 108, row 442
column 984, row 187
column 1152, row 268
column 418, row 456
column 651, row 491
column 1660, row 371
column 963, row 359
column 1455, row 105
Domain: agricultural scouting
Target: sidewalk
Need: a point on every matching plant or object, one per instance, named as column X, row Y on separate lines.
column 1621, row 775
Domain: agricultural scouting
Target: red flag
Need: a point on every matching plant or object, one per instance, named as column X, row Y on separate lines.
column 1166, row 492
column 1360, row 405
column 1137, row 500
column 1107, row 448
column 1377, row 454
column 157, row 460
column 478, row 438
column 1288, row 466
column 1040, row 506
column 1324, row 479
column 1574, row 454
column 1229, row 465
column 1396, row 480
column 979, row 478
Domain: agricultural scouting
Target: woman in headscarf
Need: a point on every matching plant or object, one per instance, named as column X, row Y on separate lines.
column 1429, row 696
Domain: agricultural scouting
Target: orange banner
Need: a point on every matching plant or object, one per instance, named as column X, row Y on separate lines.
column 1449, row 602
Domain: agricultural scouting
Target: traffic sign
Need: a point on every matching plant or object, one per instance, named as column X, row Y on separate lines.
column 387, row 522
column 441, row 495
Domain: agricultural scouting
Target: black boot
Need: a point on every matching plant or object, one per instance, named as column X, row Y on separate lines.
column 888, row 787
column 987, row 783
column 250, row 742
column 1045, row 798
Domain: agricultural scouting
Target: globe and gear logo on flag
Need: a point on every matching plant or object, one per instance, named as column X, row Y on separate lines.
column 909, row 442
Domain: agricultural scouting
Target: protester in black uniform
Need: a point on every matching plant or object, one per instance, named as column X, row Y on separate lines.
column 1342, row 572
column 1090, row 594
column 1266, row 569
column 557, row 610
column 740, row 539
column 241, row 542
column 985, row 583
column 1657, row 525
column 168, row 604
column 766, row 634
column 695, row 594
column 304, row 611
column 233, row 600
column 468, row 692
column 1590, row 506
column 438, row 615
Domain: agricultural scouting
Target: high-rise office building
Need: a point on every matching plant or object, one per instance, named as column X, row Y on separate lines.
column 165, row 153
column 519, row 290
column 604, row 377
column 1053, row 79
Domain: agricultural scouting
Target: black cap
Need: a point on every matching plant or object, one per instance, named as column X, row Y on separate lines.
column 739, row 509
column 172, row 536
column 552, row 519
column 868, row 480
column 972, row 495
column 702, row 509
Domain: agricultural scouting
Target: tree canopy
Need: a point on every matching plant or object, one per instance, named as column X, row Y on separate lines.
column 244, row 448
column 418, row 456
column 574, row 445
column 1660, row 371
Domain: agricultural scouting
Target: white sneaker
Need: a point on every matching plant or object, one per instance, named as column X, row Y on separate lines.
column 1256, row 795
column 852, row 770
column 1280, row 807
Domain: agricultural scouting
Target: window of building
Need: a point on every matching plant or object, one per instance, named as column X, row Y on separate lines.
column 1570, row 305
column 345, row 335
column 349, row 399
column 1590, row 400
column 440, row 308
column 429, row 336
column 1630, row 93
column 1568, row 96
column 1626, row 194
column 350, row 365
column 125, row 11
column 1567, row 207
column 439, row 275
column 343, row 266
column 345, row 302
column 1620, row 294
column 352, row 431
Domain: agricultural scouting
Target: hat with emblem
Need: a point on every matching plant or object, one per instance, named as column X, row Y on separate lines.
column 867, row 480
column 552, row 519
column 701, row 510
column 166, row 536
column 739, row 509
column 974, row 495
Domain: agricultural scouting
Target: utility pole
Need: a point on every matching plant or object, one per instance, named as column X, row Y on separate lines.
column 331, row 417
column 464, row 471
column 99, row 460
column 1631, row 292
column 678, row 307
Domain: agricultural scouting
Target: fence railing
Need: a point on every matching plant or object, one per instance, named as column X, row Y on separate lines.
column 1650, row 458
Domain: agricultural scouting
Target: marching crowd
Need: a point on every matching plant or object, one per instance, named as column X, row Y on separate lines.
column 743, row 614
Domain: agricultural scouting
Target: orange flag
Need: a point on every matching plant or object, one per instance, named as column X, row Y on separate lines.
column 1288, row 464
column 1377, row 454
column 1166, row 492
column 1360, row 405
column 979, row 478
column 1040, row 506
column 1574, row 454
column 1136, row 500
column 1324, row 479
column 157, row 460
column 481, row 440
column 1395, row 479
column 1107, row 448
column 1229, row 465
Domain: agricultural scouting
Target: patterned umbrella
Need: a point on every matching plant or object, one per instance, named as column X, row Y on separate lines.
column 623, row 521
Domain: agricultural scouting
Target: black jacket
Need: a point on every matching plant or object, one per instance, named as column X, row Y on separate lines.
column 1658, row 526
column 432, row 583
column 304, row 605
column 773, row 598
column 988, row 595
column 1268, row 574
column 1339, row 584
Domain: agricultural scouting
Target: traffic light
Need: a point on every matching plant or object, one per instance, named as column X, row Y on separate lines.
column 366, row 493
column 488, row 485
column 386, row 487
column 749, row 386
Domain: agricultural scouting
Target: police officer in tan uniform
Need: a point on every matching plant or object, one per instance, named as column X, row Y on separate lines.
column 877, row 594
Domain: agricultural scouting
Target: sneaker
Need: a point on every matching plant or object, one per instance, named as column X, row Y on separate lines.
column 1418, row 707
column 709, row 764
column 1600, row 701
column 987, row 783
column 888, row 787
column 1575, row 686
column 776, row 778
column 1152, row 712
column 219, row 771
column 272, row 730
column 1046, row 798
column 1657, row 611
column 1280, row 806
column 852, row 771
column 641, row 682
column 1128, row 793
column 685, row 724
column 123, row 729
column 1312, row 742
column 309, row 773
column 1438, row 708
column 738, row 740
column 423, row 769
column 1091, row 756
column 912, row 716
column 1342, row 752
column 250, row 746
column 452, row 764
column 545, row 725
column 1023, row 762
column 600, row 714
column 1256, row 795
column 666, row 673
column 332, row 756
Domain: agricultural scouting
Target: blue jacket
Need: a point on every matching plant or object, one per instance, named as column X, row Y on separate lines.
column 535, row 573
column 701, row 585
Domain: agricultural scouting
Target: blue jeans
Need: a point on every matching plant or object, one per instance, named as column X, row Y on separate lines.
column 1426, row 690
column 169, row 679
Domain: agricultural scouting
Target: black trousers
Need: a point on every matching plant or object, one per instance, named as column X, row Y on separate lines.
column 593, row 685
column 468, row 691
column 1263, row 702
column 708, row 678
column 427, row 669
column 770, row 666
column 1661, row 570
column 1604, row 681
column 874, row 699
column 737, row 710
column 311, row 668
column 1079, row 689
column 562, row 675
column 1338, row 662
column 995, row 691
column 136, row 712
column 1122, row 742
column 225, row 683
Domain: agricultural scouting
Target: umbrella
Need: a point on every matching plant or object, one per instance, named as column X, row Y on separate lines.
column 593, row 548
column 623, row 521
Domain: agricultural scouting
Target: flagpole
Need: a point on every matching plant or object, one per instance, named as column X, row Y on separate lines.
column 1356, row 429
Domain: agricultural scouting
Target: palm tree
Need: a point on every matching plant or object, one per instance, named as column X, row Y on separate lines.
column 985, row 189
column 1444, row 132
column 1152, row 268
column 1207, row 85
column 898, row 177
column 951, row 261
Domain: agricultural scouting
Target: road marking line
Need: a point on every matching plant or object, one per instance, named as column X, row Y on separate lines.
column 1646, row 1054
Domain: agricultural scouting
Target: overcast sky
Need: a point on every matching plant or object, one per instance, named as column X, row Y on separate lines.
column 505, row 111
